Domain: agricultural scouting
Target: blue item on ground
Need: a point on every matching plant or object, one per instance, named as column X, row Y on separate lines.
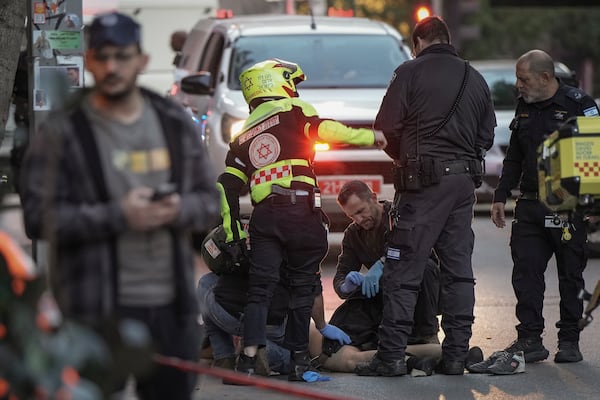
column 312, row 376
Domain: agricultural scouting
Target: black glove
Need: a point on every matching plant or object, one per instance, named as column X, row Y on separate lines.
column 236, row 256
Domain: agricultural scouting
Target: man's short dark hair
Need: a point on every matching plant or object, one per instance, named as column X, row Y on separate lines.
column 356, row 187
column 431, row 29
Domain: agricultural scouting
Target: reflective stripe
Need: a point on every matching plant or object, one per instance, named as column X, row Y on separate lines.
column 305, row 179
column 334, row 132
column 236, row 172
column 279, row 173
column 271, row 174
column 226, row 215
column 276, row 170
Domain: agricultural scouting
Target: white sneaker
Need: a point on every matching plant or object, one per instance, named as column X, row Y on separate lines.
column 508, row 363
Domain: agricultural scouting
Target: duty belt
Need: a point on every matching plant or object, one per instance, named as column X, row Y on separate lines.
column 456, row 167
column 281, row 195
column 528, row 195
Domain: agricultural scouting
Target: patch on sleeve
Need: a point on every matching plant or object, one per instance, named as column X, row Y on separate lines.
column 591, row 112
column 393, row 253
column 212, row 249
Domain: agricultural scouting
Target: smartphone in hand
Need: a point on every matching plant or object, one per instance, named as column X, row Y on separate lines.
column 163, row 190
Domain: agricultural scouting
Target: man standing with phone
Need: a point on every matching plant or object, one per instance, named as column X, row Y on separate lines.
column 88, row 181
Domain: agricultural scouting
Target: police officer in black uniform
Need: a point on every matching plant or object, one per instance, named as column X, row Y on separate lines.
column 273, row 155
column 544, row 105
column 438, row 117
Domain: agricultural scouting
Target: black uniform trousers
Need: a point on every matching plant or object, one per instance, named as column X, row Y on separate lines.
column 293, row 237
column 438, row 217
column 532, row 246
column 428, row 304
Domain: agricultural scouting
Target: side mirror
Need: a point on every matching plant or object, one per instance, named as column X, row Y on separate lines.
column 197, row 84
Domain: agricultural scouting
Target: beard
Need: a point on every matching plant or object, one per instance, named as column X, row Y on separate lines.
column 368, row 224
column 532, row 96
column 116, row 96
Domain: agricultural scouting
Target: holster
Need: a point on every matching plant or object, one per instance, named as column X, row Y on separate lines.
column 408, row 178
column 417, row 174
column 433, row 171
column 477, row 170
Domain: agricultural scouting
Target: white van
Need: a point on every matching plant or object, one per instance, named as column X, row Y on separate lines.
column 347, row 61
column 159, row 19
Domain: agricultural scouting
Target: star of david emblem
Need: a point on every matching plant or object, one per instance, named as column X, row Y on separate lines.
column 264, row 151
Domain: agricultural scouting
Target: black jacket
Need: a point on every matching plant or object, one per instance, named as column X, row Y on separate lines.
column 532, row 124
column 71, row 208
column 421, row 95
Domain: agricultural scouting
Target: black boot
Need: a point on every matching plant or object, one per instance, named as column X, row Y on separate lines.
column 300, row 363
column 246, row 365
column 450, row 367
column 568, row 352
column 380, row 367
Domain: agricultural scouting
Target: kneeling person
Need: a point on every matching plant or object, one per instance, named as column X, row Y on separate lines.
column 223, row 298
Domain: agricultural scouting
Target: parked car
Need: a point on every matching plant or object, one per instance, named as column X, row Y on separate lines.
column 347, row 61
column 500, row 77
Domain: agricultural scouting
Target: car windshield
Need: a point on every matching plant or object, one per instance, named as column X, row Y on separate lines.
column 329, row 61
column 502, row 86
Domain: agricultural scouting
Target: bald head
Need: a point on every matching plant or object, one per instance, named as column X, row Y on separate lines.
column 535, row 76
column 537, row 61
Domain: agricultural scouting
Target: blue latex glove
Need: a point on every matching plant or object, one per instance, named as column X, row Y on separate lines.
column 312, row 376
column 352, row 281
column 334, row 333
column 370, row 285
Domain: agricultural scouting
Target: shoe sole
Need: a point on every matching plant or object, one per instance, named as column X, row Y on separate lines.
column 501, row 372
column 536, row 356
column 561, row 360
column 452, row 373
column 377, row 373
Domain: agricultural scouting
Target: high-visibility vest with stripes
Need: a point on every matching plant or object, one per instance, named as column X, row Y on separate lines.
column 276, row 145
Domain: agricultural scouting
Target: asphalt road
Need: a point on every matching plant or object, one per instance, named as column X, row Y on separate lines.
column 493, row 329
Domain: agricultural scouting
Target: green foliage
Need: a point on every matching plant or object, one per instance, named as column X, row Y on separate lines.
column 395, row 12
column 568, row 34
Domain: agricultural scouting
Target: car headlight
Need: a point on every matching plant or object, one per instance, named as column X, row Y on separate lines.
column 321, row 146
column 231, row 127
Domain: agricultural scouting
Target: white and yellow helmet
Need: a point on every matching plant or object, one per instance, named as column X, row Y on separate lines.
column 272, row 78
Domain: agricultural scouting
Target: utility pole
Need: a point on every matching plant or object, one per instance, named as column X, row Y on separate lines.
column 437, row 7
